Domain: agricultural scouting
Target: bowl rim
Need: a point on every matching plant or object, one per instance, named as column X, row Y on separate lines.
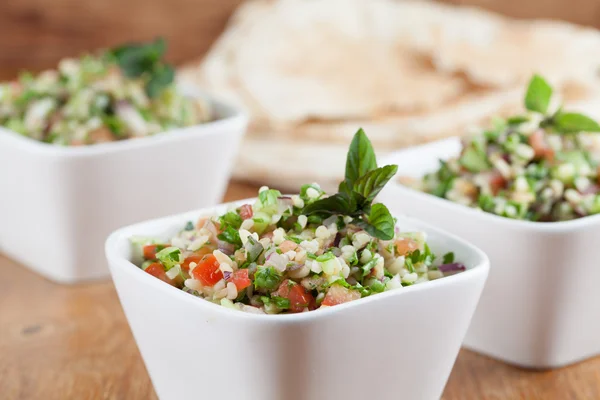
column 231, row 114
column 452, row 207
column 478, row 271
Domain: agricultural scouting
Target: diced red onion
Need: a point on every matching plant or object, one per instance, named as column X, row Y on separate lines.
column 453, row 267
column 226, row 248
column 227, row 275
column 591, row 189
column 294, row 266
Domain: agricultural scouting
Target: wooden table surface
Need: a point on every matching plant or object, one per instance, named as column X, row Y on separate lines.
column 73, row 342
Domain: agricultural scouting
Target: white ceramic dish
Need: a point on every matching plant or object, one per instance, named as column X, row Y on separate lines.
column 58, row 204
column 541, row 302
column 398, row 344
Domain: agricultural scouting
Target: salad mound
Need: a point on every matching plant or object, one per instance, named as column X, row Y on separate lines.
column 290, row 254
column 122, row 93
column 539, row 166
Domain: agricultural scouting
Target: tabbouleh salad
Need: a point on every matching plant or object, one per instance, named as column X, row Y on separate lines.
column 127, row 92
column 290, row 254
column 539, row 166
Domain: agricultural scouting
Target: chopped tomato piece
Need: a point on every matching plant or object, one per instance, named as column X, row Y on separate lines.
column 538, row 142
column 497, row 182
column 195, row 258
column 338, row 294
column 150, row 250
column 240, row 279
column 298, row 296
column 246, row 211
column 158, row 270
column 207, row 271
column 405, row 246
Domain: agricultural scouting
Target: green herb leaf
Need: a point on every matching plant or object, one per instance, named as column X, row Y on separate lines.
column 135, row 59
column 230, row 235
column 266, row 278
column 232, row 219
column 380, row 224
column 361, row 158
column 268, row 198
column 281, row 302
column 370, row 184
column 448, row 258
column 538, row 95
column 339, row 203
column 573, row 122
column 189, row 226
column 161, row 77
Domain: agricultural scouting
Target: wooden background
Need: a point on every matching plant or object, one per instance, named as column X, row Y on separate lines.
column 35, row 34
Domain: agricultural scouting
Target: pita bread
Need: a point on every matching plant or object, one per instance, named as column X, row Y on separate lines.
column 311, row 73
column 501, row 53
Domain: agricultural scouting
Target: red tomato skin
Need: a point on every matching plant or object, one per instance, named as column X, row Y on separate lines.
column 207, row 271
column 157, row 270
column 298, row 296
column 150, row 250
column 497, row 182
column 240, row 279
column 246, row 211
column 194, row 258
column 405, row 246
column 539, row 144
column 338, row 294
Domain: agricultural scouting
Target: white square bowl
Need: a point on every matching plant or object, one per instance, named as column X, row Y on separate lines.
column 397, row 344
column 541, row 304
column 58, row 204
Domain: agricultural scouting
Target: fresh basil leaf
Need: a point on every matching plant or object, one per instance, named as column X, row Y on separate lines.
column 370, row 184
column 339, row 203
column 135, row 59
column 381, row 223
column 448, row 258
column 361, row 158
column 538, row 95
column 161, row 77
column 517, row 120
column 573, row 122
column 231, row 235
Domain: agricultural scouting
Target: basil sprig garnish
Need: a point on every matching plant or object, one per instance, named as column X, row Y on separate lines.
column 537, row 99
column 138, row 60
column 363, row 181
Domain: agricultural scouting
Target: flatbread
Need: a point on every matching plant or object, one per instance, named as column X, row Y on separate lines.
column 310, row 73
column 500, row 52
